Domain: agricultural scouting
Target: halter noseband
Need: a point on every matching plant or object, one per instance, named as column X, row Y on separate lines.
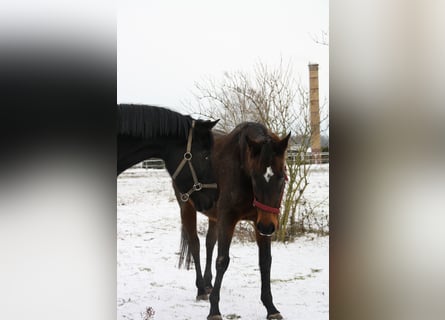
column 265, row 207
column 197, row 186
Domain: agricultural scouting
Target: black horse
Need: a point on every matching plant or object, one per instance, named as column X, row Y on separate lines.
column 183, row 143
column 250, row 171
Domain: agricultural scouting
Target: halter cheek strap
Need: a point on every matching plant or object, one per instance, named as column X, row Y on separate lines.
column 197, row 186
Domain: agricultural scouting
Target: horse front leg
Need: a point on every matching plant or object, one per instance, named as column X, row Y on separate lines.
column 211, row 238
column 265, row 260
column 225, row 227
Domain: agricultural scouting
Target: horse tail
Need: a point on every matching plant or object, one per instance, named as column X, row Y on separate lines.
column 185, row 255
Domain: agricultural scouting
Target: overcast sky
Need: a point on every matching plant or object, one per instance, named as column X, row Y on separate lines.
column 165, row 46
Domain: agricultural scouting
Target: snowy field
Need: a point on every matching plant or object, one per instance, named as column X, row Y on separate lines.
column 148, row 227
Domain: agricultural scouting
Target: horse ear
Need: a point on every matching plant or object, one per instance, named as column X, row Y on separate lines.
column 213, row 123
column 281, row 146
column 209, row 124
column 254, row 146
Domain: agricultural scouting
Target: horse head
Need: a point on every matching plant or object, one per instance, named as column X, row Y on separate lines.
column 265, row 163
column 191, row 168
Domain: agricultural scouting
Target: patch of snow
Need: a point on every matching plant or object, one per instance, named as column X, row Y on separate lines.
column 148, row 233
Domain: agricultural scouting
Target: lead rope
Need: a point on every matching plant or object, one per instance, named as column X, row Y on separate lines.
column 197, row 186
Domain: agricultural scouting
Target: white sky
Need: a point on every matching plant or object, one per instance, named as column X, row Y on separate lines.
column 165, row 46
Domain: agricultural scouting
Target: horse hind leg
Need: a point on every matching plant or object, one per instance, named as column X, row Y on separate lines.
column 190, row 247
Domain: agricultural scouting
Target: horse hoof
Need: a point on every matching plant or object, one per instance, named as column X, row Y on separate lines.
column 215, row 317
column 274, row 316
column 202, row 297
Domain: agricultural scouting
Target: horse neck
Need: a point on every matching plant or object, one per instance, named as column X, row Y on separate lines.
column 132, row 150
column 228, row 151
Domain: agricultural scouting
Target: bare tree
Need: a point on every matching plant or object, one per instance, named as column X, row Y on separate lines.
column 273, row 97
column 267, row 96
column 323, row 39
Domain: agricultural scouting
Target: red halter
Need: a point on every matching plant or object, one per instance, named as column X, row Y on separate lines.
column 267, row 208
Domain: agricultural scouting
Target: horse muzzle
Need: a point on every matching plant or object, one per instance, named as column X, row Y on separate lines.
column 266, row 223
column 266, row 230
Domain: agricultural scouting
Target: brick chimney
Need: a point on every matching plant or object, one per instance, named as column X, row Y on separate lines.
column 315, row 112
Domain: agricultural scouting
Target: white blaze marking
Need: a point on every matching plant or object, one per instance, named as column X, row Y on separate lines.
column 268, row 174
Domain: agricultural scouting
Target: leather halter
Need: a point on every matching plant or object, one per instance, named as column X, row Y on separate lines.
column 267, row 208
column 197, row 186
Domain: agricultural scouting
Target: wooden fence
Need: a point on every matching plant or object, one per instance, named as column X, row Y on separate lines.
column 309, row 158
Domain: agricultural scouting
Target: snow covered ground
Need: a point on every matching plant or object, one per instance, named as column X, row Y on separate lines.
column 148, row 226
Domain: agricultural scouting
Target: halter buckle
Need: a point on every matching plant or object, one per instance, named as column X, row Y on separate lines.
column 184, row 197
column 197, row 186
column 188, row 156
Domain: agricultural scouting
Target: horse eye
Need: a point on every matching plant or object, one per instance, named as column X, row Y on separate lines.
column 206, row 156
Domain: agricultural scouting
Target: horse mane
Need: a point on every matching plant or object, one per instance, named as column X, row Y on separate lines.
column 145, row 121
column 254, row 130
column 258, row 133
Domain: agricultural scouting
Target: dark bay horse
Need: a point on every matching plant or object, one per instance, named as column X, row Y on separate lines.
column 249, row 165
column 183, row 143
